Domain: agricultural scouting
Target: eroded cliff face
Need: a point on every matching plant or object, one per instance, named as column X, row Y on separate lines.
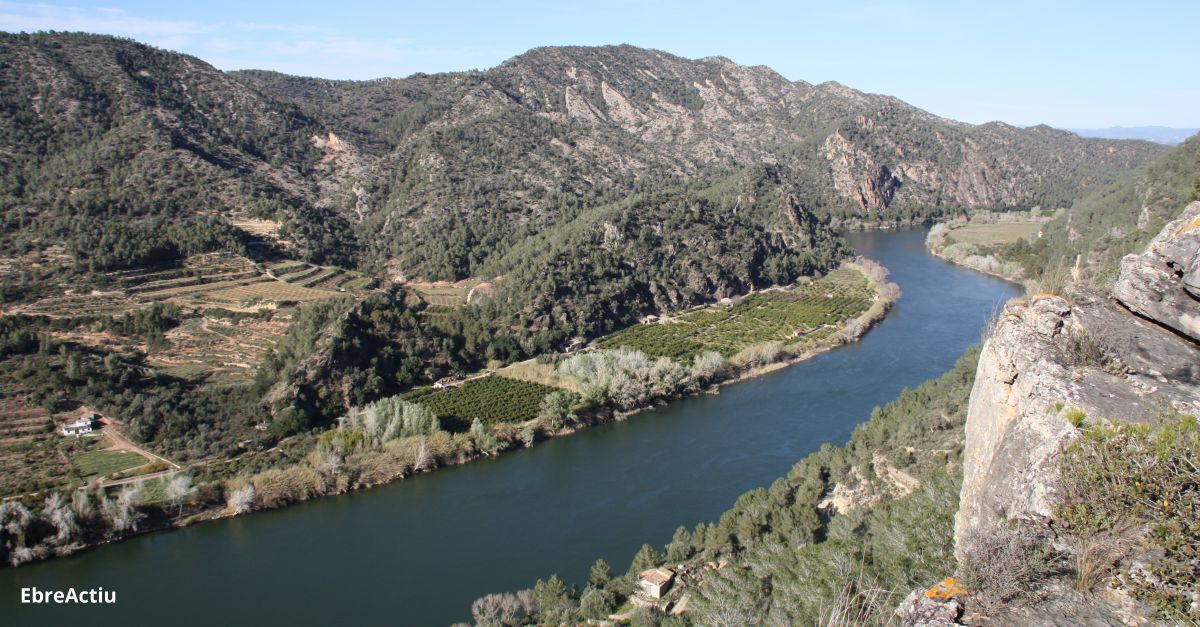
column 1164, row 283
column 1050, row 362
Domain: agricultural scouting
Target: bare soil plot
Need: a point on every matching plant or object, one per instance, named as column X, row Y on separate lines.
column 447, row 294
column 266, row 229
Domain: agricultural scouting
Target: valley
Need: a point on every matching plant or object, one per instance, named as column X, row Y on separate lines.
column 595, row 334
column 585, row 495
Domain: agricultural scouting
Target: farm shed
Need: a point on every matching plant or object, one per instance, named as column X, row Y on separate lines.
column 656, row 581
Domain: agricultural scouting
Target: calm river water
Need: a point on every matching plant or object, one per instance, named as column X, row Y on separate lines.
column 417, row 552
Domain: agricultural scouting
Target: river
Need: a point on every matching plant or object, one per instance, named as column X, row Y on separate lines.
column 418, row 551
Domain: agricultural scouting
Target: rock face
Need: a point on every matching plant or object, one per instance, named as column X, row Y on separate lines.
column 1164, row 283
column 920, row 610
column 1126, row 357
column 1048, row 357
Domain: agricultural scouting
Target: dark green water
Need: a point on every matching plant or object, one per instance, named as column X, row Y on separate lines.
column 417, row 552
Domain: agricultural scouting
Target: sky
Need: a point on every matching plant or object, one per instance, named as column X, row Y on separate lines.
column 1064, row 63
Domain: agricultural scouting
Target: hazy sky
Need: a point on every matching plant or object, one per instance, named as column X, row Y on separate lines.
column 1068, row 64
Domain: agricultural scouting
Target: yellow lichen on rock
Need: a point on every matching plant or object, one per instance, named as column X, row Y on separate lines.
column 946, row 590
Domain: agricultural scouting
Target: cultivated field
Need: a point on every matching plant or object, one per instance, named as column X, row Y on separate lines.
column 798, row 314
column 217, row 339
column 72, row 303
column 269, row 292
column 29, row 449
column 994, row 234
column 220, row 279
column 492, row 399
column 219, row 348
column 101, row 463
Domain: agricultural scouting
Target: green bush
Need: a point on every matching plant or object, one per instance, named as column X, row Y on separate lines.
column 1147, row 478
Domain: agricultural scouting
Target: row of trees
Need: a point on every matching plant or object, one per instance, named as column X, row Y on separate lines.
column 628, row 379
column 64, row 523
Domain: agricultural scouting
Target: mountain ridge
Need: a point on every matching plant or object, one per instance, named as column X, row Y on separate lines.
column 367, row 173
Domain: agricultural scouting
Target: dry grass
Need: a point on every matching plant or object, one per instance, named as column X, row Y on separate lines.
column 1002, row 564
column 258, row 228
column 995, row 234
column 545, row 374
column 444, row 293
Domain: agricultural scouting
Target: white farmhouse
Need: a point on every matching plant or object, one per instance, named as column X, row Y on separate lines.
column 80, row 426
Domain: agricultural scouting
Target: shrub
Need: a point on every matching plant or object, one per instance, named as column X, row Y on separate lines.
column 759, row 354
column 1002, row 564
column 1134, row 476
column 627, row 378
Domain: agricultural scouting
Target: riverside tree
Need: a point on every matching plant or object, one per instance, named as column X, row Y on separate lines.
column 558, row 409
column 241, row 500
column 121, row 512
column 59, row 515
column 179, row 489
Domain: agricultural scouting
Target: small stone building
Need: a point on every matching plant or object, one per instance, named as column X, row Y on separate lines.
column 656, row 581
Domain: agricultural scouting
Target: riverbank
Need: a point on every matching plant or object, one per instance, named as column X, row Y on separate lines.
column 972, row 256
column 501, row 523
column 330, row 470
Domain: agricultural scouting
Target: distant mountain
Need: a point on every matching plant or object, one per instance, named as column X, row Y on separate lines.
column 1158, row 134
column 127, row 154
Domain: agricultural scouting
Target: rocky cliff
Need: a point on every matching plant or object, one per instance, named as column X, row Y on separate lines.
column 1052, row 367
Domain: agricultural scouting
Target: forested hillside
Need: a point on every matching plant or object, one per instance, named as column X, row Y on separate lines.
column 586, row 126
column 840, row 540
column 435, row 175
column 1112, row 221
column 297, row 226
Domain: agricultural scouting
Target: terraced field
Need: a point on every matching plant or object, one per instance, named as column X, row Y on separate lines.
column 222, row 279
column 814, row 310
column 219, row 348
column 29, row 457
column 20, row 421
column 319, row 277
column 70, row 304
column 237, row 283
column 269, row 291
column 446, row 294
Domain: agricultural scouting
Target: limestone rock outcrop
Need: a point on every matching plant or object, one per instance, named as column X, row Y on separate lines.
column 1163, row 284
column 1046, row 358
column 1051, row 363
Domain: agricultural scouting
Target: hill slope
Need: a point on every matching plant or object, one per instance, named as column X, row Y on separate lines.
column 559, row 128
column 383, row 173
